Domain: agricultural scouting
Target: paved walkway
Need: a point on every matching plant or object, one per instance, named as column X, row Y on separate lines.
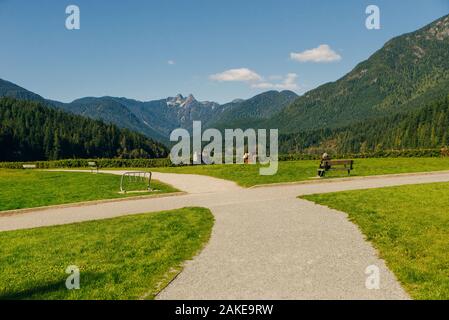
column 265, row 244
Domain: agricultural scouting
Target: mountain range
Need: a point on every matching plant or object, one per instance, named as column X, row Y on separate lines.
column 404, row 78
column 157, row 118
column 408, row 72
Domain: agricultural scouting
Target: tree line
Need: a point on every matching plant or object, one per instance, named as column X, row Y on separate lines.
column 419, row 129
column 31, row 131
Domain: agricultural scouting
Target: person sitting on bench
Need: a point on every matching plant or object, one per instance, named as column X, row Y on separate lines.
column 327, row 164
column 324, row 161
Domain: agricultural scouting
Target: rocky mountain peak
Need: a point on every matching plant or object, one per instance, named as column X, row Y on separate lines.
column 438, row 30
column 180, row 101
column 189, row 100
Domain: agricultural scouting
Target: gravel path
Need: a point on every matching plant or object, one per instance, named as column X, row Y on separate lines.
column 265, row 244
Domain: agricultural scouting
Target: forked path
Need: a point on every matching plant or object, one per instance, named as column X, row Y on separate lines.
column 265, row 244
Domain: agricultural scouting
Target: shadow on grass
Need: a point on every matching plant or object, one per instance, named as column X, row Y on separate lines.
column 37, row 290
column 49, row 289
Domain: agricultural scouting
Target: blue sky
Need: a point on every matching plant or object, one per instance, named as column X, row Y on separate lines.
column 124, row 48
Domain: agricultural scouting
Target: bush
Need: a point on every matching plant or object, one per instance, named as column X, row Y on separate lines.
column 165, row 162
column 407, row 153
column 83, row 163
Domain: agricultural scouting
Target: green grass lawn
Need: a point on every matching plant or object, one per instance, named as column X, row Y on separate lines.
column 289, row 171
column 409, row 225
column 32, row 188
column 130, row 257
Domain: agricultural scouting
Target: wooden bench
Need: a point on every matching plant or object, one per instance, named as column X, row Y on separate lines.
column 93, row 166
column 326, row 165
column 29, row 166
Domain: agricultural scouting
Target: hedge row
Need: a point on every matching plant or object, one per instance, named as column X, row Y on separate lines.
column 414, row 153
column 165, row 162
column 419, row 153
column 102, row 163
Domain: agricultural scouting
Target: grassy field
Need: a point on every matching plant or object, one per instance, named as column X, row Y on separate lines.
column 31, row 188
column 130, row 257
column 409, row 225
column 289, row 171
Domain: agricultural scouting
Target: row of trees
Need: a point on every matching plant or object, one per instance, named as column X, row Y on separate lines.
column 420, row 129
column 30, row 131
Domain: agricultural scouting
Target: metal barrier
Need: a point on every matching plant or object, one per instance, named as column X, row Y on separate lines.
column 135, row 176
column 93, row 166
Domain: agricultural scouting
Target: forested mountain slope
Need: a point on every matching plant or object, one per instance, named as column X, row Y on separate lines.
column 248, row 113
column 32, row 131
column 425, row 128
column 408, row 72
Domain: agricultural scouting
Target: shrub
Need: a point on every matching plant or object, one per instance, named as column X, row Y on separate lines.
column 102, row 163
column 165, row 162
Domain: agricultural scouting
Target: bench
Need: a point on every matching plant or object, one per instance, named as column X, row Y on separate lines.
column 93, row 166
column 326, row 165
column 29, row 166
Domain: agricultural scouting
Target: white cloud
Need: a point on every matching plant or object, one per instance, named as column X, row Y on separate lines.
column 241, row 74
column 275, row 82
column 171, row 62
column 322, row 53
column 288, row 83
